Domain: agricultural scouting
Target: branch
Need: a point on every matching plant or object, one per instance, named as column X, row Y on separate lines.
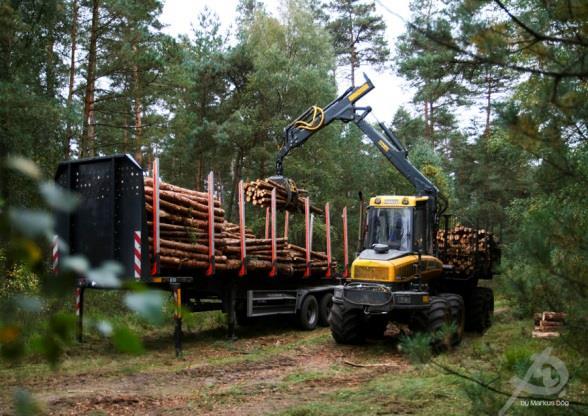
column 492, row 389
column 477, row 59
column 533, row 32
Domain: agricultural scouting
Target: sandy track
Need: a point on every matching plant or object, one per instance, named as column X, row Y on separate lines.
column 202, row 384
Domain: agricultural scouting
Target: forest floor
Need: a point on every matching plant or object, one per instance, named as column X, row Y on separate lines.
column 270, row 369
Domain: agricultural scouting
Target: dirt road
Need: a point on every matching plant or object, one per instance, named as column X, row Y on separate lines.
column 263, row 372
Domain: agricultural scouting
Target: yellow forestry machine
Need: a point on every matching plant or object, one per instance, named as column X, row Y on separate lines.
column 399, row 274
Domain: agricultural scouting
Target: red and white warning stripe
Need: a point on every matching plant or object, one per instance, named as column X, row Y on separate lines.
column 55, row 255
column 137, row 251
column 78, row 300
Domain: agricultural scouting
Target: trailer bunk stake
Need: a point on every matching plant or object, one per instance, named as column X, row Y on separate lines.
column 328, row 239
column 242, row 242
column 345, row 245
column 211, row 264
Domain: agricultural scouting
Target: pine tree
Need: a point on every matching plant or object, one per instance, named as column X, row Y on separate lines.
column 358, row 34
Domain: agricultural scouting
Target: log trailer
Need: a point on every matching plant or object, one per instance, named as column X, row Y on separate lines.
column 399, row 274
column 111, row 223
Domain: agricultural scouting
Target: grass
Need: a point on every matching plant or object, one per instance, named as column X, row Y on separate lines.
column 331, row 389
column 505, row 350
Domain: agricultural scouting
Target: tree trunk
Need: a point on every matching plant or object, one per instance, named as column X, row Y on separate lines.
column 50, row 78
column 126, row 134
column 137, row 109
column 72, row 74
column 431, row 124
column 237, row 173
column 488, row 102
column 353, row 55
column 88, row 147
column 427, row 132
column 199, row 177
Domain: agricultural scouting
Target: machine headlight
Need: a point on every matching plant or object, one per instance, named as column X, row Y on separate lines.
column 338, row 292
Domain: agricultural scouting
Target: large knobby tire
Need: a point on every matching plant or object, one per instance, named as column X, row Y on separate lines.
column 457, row 309
column 325, row 308
column 479, row 309
column 308, row 315
column 347, row 325
column 434, row 320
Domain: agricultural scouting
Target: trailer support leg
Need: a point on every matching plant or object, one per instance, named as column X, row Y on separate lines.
column 80, row 313
column 178, row 319
column 232, row 316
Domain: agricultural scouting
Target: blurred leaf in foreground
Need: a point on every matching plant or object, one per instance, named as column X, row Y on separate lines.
column 32, row 223
column 24, row 404
column 25, row 166
column 58, row 198
column 148, row 305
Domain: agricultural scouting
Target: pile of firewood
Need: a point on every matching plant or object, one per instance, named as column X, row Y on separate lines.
column 548, row 324
column 259, row 192
column 468, row 250
column 184, row 237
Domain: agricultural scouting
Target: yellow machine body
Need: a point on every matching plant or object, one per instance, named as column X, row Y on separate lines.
column 404, row 267
column 401, row 269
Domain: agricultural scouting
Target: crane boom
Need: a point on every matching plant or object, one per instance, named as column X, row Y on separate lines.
column 343, row 108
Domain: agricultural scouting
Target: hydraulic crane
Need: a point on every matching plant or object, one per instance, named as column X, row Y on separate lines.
column 397, row 275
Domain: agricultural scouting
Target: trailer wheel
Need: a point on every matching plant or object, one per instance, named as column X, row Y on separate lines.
column 308, row 315
column 479, row 309
column 347, row 325
column 456, row 306
column 325, row 308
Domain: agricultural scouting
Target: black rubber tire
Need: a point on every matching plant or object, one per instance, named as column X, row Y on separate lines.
column 479, row 309
column 347, row 325
column 325, row 308
column 432, row 320
column 457, row 309
column 308, row 315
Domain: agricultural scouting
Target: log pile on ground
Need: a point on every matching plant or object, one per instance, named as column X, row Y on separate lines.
column 548, row 324
column 259, row 192
column 468, row 250
column 184, row 237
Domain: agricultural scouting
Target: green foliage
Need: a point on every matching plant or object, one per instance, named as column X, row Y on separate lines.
column 127, row 341
column 417, row 347
column 357, row 33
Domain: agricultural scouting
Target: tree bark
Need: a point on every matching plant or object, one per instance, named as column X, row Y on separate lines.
column 88, row 147
column 488, row 102
column 353, row 55
column 72, row 74
column 427, row 132
column 138, row 109
column 237, row 172
column 431, row 124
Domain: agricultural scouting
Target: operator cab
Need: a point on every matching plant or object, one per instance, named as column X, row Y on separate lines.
column 397, row 225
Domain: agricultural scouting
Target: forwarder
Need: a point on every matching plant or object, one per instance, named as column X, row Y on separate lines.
column 399, row 274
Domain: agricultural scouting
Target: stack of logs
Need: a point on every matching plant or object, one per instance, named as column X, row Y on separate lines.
column 548, row 324
column 184, row 237
column 468, row 250
column 183, row 228
column 259, row 192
